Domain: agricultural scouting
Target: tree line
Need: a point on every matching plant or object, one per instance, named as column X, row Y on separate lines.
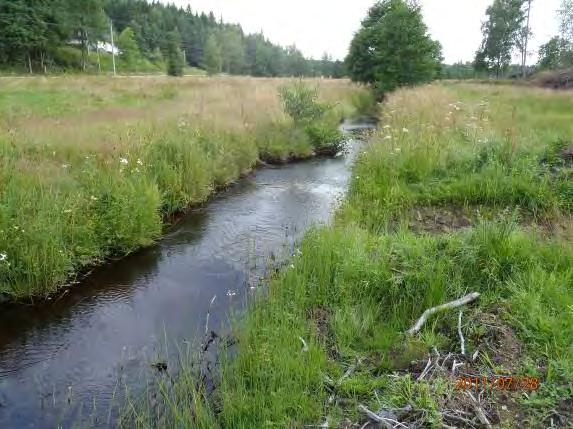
column 41, row 36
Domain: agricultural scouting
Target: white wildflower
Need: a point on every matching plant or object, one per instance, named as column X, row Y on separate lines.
column 123, row 161
column 139, row 161
column 3, row 257
column 388, row 138
column 68, row 211
column 405, row 130
column 231, row 293
column 386, row 126
column 93, row 198
column 65, row 165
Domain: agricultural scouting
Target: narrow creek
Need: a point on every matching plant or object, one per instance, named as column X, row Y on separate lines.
column 64, row 361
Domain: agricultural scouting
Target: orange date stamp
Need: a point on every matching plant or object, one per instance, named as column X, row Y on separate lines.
column 498, row 383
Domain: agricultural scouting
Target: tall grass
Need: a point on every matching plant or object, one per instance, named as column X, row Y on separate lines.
column 355, row 287
column 90, row 167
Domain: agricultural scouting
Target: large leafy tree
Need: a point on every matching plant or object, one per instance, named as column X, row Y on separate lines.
column 501, row 33
column 393, row 48
column 232, row 52
column 86, row 23
column 555, row 54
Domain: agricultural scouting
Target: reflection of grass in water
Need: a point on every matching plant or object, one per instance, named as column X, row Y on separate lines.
column 357, row 286
column 81, row 181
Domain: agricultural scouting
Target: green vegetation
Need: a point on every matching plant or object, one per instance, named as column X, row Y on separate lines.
column 89, row 167
column 463, row 189
column 505, row 29
column 174, row 55
column 213, row 56
column 35, row 31
column 558, row 52
column 393, row 48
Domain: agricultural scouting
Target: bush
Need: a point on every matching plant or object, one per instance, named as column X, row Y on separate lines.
column 301, row 103
column 326, row 139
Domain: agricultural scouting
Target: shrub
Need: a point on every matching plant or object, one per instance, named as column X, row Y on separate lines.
column 301, row 103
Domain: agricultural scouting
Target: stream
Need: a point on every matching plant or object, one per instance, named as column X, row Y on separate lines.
column 71, row 359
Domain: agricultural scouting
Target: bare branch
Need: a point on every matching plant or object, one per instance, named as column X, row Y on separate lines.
column 462, row 340
column 448, row 306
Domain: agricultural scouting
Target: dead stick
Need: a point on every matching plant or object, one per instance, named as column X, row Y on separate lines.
column 448, row 306
column 375, row 417
column 462, row 340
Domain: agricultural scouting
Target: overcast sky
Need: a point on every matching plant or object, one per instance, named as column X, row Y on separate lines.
column 318, row 26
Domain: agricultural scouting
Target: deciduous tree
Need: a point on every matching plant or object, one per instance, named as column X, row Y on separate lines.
column 212, row 57
column 393, row 48
column 501, row 31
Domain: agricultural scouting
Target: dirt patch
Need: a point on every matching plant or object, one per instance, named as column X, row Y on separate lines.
column 499, row 341
column 441, row 220
column 566, row 154
column 320, row 317
column 445, row 220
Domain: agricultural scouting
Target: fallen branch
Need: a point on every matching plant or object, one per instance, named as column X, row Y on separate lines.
column 387, row 417
column 448, row 306
column 426, row 370
column 375, row 417
column 480, row 413
column 462, row 339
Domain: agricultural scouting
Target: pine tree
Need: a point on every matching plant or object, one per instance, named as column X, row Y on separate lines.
column 127, row 44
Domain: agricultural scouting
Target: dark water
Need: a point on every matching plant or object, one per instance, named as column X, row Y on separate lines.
column 65, row 361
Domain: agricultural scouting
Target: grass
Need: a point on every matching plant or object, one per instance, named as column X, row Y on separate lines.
column 91, row 166
column 491, row 155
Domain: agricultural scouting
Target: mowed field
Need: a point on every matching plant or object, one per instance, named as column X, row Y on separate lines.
column 90, row 166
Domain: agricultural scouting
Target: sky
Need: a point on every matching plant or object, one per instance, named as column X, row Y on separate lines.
column 319, row 26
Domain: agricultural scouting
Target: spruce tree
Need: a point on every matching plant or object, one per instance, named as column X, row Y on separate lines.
column 174, row 55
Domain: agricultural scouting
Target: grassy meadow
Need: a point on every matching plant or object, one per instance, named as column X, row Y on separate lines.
column 464, row 188
column 91, row 166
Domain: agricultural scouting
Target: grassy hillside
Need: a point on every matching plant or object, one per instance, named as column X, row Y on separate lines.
column 89, row 166
column 465, row 188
